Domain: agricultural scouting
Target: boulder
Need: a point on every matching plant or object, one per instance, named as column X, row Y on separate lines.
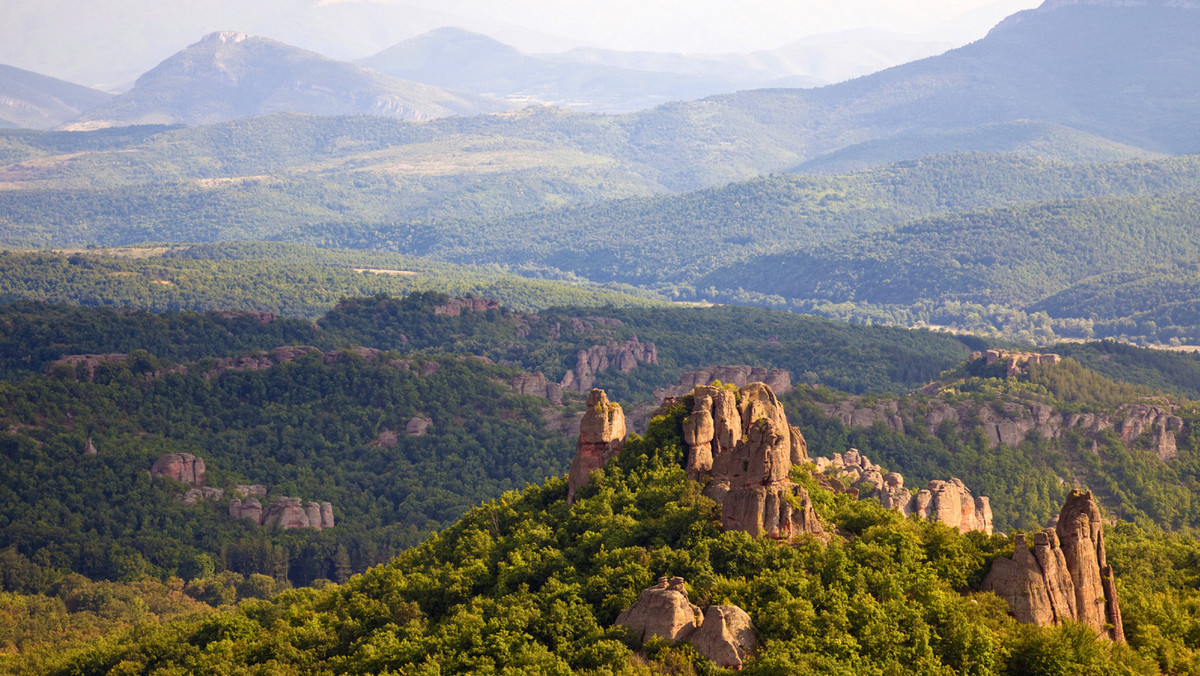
column 662, row 610
column 723, row 634
column 601, row 436
column 183, row 467
column 726, row 636
column 326, row 515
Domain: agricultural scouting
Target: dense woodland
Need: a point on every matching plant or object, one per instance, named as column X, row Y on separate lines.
column 527, row 583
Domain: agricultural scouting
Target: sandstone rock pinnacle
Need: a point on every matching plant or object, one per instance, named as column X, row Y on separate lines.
column 601, row 436
column 1066, row 577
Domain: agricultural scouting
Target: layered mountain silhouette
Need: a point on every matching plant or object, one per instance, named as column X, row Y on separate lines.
column 29, row 100
column 231, row 75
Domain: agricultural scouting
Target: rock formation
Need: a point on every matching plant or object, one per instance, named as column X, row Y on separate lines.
column 183, row 467
column 949, row 502
column 287, row 513
column 623, row 356
column 1066, row 577
column 601, row 436
column 743, row 442
column 724, row 634
column 1012, row 422
column 537, row 385
column 417, row 426
column 89, row 448
column 779, row 380
column 1017, row 362
column 250, row 508
column 662, row 610
column 456, row 306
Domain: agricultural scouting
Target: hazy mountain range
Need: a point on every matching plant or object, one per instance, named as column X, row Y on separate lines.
column 611, row 198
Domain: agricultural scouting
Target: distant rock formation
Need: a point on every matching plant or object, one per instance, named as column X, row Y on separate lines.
column 1012, row 422
column 284, row 512
column 742, row 440
column 779, row 380
column 1017, row 362
column 1066, row 577
column 537, row 385
column 417, row 426
column 601, row 436
column 183, row 467
column 724, row 634
column 625, row 357
column 90, row 448
column 949, row 502
column 456, row 306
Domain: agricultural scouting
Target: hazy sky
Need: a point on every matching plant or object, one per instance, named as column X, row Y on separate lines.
column 110, row 42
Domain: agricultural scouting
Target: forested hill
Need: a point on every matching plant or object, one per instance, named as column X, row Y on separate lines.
column 533, row 584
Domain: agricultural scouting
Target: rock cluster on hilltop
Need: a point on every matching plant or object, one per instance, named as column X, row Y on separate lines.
column 1017, row 362
column 601, row 436
column 949, row 502
column 724, row 634
column 737, row 440
column 1066, row 577
column 742, row 442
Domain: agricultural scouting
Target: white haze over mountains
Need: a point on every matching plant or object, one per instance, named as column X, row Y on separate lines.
column 108, row 43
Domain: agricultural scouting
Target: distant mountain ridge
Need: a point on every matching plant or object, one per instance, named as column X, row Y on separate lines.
column 32, row 101
column 228, row 75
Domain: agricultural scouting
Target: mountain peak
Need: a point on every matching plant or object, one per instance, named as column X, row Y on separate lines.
column 223, row 38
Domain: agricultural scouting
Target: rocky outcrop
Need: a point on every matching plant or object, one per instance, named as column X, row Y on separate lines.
column 85, row 365
column 723, row 634
column 601, row 436
column 779, row 380
column 183, row 467
column 89, row 448
column 1017, row 363
column 664, row 611
column 949, row 502
column 456, row 306
column 536, row 384
column 194, row 495
column 1066, row 577
column 1012, row 422
column 418, row 426
column 726, row 636
column 287, row 513
column 742, row 441
column 250, row 509
column 624, row 357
